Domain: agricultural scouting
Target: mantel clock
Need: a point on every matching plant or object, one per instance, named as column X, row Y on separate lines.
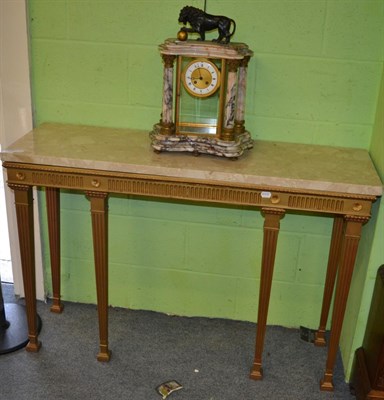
column 204, row 86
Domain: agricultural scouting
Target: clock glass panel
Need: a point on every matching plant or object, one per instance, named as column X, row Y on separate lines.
column 199, row 96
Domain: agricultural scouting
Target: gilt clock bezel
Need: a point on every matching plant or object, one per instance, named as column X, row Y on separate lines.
column 210, row 68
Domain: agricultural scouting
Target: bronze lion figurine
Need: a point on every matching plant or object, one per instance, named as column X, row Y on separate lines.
column 202, row 22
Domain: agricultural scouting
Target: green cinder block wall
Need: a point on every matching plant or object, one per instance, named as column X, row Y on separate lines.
column 315, row 78
column 371, row 255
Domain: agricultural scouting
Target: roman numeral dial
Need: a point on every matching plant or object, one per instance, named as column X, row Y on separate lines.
column 201, row 78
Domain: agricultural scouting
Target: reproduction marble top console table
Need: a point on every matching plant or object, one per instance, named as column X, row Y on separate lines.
column 274, row 177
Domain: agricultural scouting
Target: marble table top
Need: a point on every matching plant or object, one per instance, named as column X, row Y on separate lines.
column 270, row 164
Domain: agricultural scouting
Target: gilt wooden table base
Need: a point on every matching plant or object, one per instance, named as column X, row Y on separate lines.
column 275, row 178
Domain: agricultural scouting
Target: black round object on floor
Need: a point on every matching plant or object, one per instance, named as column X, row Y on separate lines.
column 15, row 336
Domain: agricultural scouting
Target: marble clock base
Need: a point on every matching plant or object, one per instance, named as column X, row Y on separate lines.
column 200, row 144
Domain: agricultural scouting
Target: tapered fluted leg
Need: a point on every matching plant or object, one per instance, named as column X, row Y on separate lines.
column 24, row 215
column 333, row 262
column 99, row 212
column 53, row 214
column 352, row 233
column 271, row 232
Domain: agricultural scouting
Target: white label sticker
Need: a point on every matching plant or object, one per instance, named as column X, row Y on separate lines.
column 266, row 195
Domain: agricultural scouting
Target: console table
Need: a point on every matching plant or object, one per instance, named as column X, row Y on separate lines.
column 274, row 177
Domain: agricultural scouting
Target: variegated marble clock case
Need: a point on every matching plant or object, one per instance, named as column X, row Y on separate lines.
column 203, row 107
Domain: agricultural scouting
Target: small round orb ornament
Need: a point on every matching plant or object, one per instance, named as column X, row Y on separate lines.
column 182, row 35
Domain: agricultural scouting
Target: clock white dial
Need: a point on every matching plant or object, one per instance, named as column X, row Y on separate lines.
column 201, row 78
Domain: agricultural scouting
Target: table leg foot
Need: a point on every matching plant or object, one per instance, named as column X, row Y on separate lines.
column 256, row 373
column 326, row 384
column 33, row 345
column 320, row 339
column 53, row 215
column 57, row 307
column 333, row 263
column 104, row 354
column 271, row 229
column 99, row 213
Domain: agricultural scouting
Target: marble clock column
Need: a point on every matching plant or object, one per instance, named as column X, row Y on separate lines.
column 230, row 101
column 241, row 92
column 167, row 124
